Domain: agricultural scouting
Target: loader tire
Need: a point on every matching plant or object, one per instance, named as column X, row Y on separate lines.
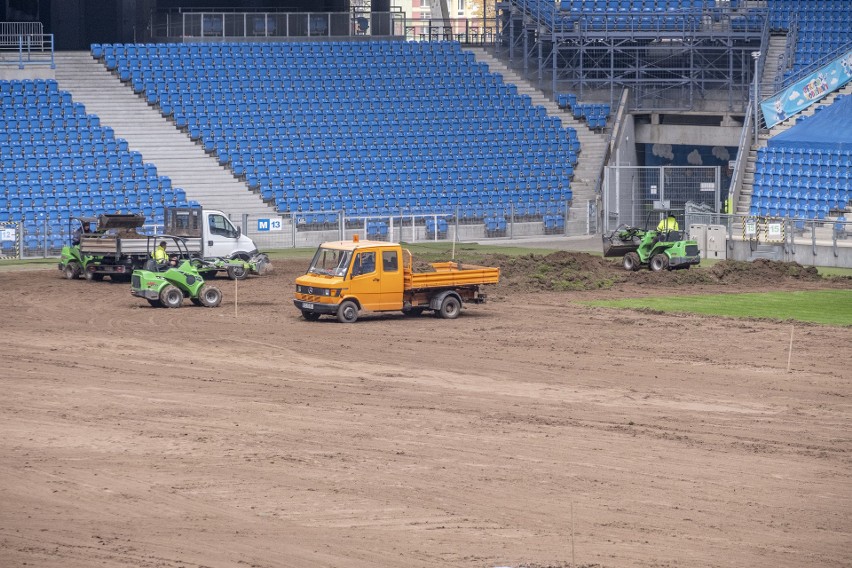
column 450, row 308
column 347, row 312
column 631, row 262
column 659, row 262
column 209, row 296
column 171, row 296
column 72, row 270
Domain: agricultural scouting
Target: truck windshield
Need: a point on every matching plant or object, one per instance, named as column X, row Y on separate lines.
column 332, row 262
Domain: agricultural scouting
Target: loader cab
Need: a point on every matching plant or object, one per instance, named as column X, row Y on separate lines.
column 665, row 224
column 176, row 249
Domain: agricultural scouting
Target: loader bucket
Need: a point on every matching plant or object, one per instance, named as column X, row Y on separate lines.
column 613, row 246
column 120, row 221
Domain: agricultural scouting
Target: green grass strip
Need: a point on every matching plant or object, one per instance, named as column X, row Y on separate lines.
column 829, row 307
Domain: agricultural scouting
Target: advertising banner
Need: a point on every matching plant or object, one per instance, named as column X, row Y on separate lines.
column 802, row 94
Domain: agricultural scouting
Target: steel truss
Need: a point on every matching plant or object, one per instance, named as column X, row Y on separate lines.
column 673, row 61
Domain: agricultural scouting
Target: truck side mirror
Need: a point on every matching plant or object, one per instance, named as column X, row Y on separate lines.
column 239, row 232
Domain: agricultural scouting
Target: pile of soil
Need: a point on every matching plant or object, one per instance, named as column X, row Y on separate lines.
column 563, row 271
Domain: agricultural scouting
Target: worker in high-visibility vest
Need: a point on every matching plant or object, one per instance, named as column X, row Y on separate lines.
column 668, row 224
column 160, row 255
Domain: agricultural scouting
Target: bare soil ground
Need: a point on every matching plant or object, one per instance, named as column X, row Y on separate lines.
column 531, row 431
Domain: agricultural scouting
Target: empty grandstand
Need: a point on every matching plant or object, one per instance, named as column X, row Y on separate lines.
column 351, row 119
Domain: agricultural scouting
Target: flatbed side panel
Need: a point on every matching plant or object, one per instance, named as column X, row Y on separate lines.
column 448, row 275
column 101, row 246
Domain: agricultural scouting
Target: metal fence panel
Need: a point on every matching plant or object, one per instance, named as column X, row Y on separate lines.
column 631, row 192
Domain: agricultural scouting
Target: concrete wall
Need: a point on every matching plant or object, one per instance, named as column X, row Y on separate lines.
column 31, row 72
column 804, row 254
column 690, row 135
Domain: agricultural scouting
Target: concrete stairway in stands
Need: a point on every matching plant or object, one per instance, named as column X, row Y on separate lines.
column 157, row 138
column 592, row 144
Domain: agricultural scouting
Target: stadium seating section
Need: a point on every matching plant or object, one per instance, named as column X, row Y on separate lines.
column 823, row 27
column 595, row 114
column 378, row 128
column 60, row 162
column 801, row 183
column 374, row 128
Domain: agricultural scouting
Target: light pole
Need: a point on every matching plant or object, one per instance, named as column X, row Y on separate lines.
column 756, row 56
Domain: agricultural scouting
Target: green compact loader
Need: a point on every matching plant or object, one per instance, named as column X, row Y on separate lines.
column 72, row 262
column 658, row 250
column 167, row 284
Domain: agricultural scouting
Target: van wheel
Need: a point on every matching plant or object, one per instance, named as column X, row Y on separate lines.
column 310, row 316
column 347, row 312
column 450, row 308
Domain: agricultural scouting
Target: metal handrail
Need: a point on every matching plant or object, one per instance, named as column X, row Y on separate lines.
column 31, row 49
column 743, row 152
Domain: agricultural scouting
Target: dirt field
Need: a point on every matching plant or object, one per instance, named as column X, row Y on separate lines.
column 531, row 431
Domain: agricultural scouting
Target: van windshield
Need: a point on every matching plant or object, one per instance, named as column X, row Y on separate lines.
column 331, row 262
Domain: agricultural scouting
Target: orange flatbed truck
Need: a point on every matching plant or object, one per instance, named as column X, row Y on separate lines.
column 346, row 277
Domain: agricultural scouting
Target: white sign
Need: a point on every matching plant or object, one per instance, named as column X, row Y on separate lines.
column 751, row 228
column 773, row 230
column 264, row 225
column 7, row 234
column 707, row 186
column 653, row 190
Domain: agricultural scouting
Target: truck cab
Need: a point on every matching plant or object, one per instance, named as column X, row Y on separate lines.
column 216, row 235
column 369, row 271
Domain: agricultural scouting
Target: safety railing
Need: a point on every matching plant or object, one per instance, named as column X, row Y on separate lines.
column 224, row 24
column 22, row 50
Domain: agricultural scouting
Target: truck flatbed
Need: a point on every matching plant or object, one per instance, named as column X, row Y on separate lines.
column 452, row 275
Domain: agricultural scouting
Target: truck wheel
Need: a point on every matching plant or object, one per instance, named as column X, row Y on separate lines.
column 631, row 261
column 659, row 262
column 450, row 308
column 413, row 312
column 310, row 316
column 171, row 296
column 347, row 312
column 94, row 276
column 209, row 296
column 237, row 272
column 72, row 270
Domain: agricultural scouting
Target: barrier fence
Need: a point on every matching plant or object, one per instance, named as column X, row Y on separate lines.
column 25, row 43
column 42, row 239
